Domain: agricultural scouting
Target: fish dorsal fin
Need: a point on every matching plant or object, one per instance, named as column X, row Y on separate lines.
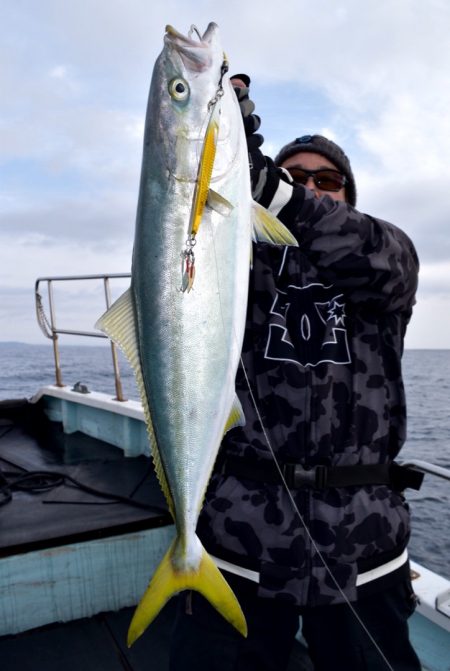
column 218, row 203
column 267, row 228
column 119, row 325
column 236, row 416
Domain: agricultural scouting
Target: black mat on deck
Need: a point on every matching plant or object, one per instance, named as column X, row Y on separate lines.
column 82, row 645
column 65, row 513
column 99, row 644
column 91, row 644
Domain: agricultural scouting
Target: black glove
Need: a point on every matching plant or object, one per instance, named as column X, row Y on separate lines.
column 257, row 162
column 251, row 121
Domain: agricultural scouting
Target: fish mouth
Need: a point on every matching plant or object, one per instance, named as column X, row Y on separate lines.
column 175, row 36
column 195, row 52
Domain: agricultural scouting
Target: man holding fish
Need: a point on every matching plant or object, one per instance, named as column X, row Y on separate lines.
column 323, row 534
column 266, row 339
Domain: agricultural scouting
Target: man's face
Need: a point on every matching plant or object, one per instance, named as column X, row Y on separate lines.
column 308, row 161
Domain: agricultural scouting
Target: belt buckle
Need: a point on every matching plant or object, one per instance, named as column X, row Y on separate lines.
column 310, row 478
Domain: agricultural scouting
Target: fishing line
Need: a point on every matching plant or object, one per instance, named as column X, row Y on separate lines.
column 282, row 478
column 305, row 527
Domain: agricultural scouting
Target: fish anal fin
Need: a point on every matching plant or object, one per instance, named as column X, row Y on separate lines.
column 167, row 581
column 267, row 228
column 118, row 323
column 236, row 416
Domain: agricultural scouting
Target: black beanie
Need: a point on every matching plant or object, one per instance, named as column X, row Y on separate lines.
column 318, row 144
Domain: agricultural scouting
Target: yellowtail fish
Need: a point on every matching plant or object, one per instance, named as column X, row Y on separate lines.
column 181, row 323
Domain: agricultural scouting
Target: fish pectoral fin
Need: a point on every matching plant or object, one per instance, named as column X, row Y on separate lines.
column 268, row 228
column 219, row 204
column 168, row 580
column 236, row 417
column 118, row 322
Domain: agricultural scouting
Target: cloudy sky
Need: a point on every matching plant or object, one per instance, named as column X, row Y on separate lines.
column 74, row 79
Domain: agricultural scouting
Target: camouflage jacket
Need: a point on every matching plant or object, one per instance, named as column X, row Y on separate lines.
column 322, row 352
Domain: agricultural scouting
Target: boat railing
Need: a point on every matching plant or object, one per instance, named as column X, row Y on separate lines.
column 426, row 467
column 51, row 331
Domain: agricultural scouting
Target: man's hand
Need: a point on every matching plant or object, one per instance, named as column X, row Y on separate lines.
column 252, row 122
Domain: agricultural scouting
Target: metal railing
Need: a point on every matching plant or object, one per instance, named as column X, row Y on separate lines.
column 426, row 467
column 50, row 330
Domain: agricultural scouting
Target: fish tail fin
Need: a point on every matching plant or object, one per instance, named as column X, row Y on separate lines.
column 167, row 581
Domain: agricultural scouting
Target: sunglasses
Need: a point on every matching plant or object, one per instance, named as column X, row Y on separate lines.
column 324, row 179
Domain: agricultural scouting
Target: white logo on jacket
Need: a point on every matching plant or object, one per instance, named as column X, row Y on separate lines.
column 308, row 327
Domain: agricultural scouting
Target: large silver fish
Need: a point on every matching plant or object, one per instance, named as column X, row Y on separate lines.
column 181, row 323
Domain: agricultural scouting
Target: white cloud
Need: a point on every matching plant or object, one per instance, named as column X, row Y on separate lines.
column 435, row 280
column 18, row 254
column 59, row 72
column 430, row 323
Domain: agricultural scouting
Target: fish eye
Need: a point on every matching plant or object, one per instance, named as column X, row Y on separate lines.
column 179, row 89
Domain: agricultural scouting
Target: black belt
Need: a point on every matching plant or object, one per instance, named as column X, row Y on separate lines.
column 320, row 477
